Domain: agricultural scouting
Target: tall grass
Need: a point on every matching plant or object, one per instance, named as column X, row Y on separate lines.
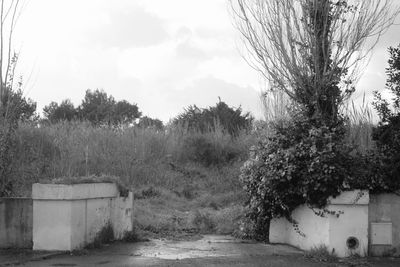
column 360, row 126
column 138, row 156
column 359, row 118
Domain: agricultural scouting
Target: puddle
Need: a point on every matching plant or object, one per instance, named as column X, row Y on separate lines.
column 209, row 246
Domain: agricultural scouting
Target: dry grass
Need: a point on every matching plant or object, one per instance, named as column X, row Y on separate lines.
column 140, row 157
column 176, row 195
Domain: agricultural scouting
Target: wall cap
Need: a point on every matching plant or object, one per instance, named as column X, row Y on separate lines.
column 74, row 191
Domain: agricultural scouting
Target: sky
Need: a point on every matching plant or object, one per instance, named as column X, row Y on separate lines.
column 161, row 55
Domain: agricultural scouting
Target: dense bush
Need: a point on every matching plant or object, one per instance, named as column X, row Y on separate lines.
column 229, row 119
column 299, row 164
column 208, row 151
column 14, row 108
column 387, row 133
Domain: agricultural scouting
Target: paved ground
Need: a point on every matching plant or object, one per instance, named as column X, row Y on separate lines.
column 208, row 251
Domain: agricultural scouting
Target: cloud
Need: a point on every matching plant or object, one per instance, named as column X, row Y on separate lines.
column 187, row 50
column 204, row 92
column 130, row 26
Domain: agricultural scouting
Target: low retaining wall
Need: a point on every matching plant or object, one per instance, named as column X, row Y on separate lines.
column 68, row 217
column 337, row 233
column 15, row 223
column 384, row 225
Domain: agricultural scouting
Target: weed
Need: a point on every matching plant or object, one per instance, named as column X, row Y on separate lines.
column 150, row 192
column 321, row 253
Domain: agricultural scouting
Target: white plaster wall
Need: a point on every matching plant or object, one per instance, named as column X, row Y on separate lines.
column 122, row 215
column 78, row 223
column 98, row 215
column 61, row 222
column 314, row 228
column 352, row 223
column 51, row 225
column 331, row 231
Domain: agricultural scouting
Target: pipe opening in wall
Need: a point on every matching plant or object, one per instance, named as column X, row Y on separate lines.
column 352, row 242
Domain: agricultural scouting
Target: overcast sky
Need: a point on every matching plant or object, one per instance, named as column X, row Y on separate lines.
column 161, row 54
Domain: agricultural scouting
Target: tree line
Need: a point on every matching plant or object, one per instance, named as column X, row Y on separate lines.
column 101, row 109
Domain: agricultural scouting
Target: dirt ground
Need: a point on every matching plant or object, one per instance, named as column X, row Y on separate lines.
column 210, row 250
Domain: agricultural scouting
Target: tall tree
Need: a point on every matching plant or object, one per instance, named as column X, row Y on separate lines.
column 97, row 107
column 102, row 109
column 312, row 49
column 229, row 119
column 64, row 112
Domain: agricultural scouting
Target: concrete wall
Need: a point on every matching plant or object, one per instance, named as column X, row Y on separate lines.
column 331, row 231
column 15, row 223
column 384, row 225
column 68, row 217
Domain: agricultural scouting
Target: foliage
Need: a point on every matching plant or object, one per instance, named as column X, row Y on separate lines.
column 140, row 157
column 321, row 254
column 299, row 164
column 305, row 48
column 146, row 122
column 230, row 119
column 64, row 112
column 205, row 150
column 14, row 108
column 387, row 133
column 97, row 107
column 312, row 50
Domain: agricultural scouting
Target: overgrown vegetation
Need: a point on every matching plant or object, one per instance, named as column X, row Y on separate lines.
column 97, row 107
column 387, row 133
column 230, row 120
column 306, row 158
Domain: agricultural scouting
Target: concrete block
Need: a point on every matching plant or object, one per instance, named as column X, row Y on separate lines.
column 122, row 215
column 68, row 217
column 331, row 230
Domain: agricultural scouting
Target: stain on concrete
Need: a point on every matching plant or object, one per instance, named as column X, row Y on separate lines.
column 16, row 219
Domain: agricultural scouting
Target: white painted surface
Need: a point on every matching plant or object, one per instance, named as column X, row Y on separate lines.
column 122, row 215
column 51, row 225
column 65, row 223
column 331, row 231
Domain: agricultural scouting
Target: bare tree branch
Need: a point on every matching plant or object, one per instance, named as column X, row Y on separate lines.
column 307, row 46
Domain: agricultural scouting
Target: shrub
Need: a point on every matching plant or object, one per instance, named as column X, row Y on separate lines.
column 387, row 133
column 299, row 164
column 230, row 119
column 205, row 150
column 321, row 254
